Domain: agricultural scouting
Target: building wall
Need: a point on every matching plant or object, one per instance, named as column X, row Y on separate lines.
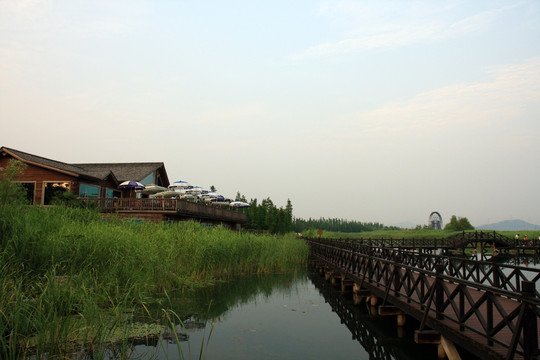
column 39, row 176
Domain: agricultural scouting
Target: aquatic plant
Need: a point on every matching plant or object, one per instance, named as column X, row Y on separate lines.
column 69, row 277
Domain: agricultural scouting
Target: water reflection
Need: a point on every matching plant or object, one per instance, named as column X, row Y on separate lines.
column 380, row 336
column 294, row 316
column 285, row 317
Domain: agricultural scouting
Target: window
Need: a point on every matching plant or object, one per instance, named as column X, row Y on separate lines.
column 29, row 191
column 148, row 180
column 110, row 193
column 88, row 191
column 52, row 190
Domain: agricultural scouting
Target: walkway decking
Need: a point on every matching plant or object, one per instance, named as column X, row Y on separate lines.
column 490, row 309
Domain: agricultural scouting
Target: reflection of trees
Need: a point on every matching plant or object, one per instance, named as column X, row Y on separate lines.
column 215, row 301
column 53, row 190
column 195, row 309
column 378, row 335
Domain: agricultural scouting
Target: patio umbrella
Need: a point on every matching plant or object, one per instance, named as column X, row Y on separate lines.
column 131, row 185
column 151, row 189
column 179, row 185
column 239, row 204
column 167, row 194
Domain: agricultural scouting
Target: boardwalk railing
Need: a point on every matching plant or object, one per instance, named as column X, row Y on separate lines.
column 489, row 273
column 491, row 321
column 107, row 204
column 456, row 241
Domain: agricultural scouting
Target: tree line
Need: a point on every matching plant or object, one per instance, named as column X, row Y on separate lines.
column 265, row 216
column 335, row 225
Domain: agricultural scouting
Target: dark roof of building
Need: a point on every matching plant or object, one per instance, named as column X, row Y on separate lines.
column 122, row 171
column 99, row 171
column 39, row 160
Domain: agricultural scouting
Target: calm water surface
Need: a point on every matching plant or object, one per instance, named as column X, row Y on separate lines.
column 288, row 317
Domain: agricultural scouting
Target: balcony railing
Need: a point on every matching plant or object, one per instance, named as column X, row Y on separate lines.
column 175, row 207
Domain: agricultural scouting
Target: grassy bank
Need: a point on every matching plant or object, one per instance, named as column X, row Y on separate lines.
column 67, row 276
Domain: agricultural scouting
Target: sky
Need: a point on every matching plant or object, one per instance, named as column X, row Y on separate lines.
column 373, row 111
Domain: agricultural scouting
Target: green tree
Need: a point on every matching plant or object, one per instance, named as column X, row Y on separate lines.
column 458, row 224
column 240, row 197
column 213, row 188
column 12, row 192
column 267, row 217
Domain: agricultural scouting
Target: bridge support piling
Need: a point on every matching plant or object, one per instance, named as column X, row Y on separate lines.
column 327, row 275
column 401, row 320
column 335, row 279
column 346, row 284
column 385, row 310
column 359, row 294
column 449, row 349
column 441, row 354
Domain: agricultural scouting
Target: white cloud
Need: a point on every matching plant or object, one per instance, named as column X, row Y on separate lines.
column 510, row 98
column 403, row 28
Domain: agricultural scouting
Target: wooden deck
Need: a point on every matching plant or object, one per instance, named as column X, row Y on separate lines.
column 491, row 319
column 170, row 210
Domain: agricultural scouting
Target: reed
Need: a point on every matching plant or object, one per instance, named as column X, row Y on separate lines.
column 68, row 277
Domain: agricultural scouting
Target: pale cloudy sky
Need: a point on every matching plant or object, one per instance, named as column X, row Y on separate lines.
column 365, row 110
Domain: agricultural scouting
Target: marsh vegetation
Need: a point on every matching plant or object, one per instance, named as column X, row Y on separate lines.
column 71, row 280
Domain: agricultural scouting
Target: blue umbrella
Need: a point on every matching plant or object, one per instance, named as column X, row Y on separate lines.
column 132, row 185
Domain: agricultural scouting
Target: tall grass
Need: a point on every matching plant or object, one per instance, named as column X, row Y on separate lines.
column 68, row 277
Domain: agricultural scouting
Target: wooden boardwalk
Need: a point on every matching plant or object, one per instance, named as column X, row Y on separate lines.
column 490, row 310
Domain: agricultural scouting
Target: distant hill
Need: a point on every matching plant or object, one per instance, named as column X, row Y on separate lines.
column 509, row 225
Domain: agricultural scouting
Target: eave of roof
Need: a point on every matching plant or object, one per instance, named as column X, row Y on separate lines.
column 95, row 171
column 40, row 161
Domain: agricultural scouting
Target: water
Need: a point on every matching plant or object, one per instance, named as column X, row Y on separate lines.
column 287, row 317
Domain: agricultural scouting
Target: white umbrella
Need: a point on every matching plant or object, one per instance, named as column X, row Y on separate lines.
column 151, row 189
column 179, row 185
column 167, row 194
column 239, row 204
column 194, row 190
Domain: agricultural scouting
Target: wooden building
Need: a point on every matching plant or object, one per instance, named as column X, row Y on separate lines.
column 43, row 177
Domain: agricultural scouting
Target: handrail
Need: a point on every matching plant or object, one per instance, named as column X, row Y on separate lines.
column 453, row 242
column 178, row 207
column 503, row 276
column 439, row 297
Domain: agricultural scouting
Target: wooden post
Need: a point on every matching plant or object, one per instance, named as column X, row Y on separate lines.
column 439, row 291
column 401, row 319
column 441, row 354
column 450, row 349
column 530, row 322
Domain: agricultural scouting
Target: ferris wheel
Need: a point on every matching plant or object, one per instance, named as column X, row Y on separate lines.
column 435, row 220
